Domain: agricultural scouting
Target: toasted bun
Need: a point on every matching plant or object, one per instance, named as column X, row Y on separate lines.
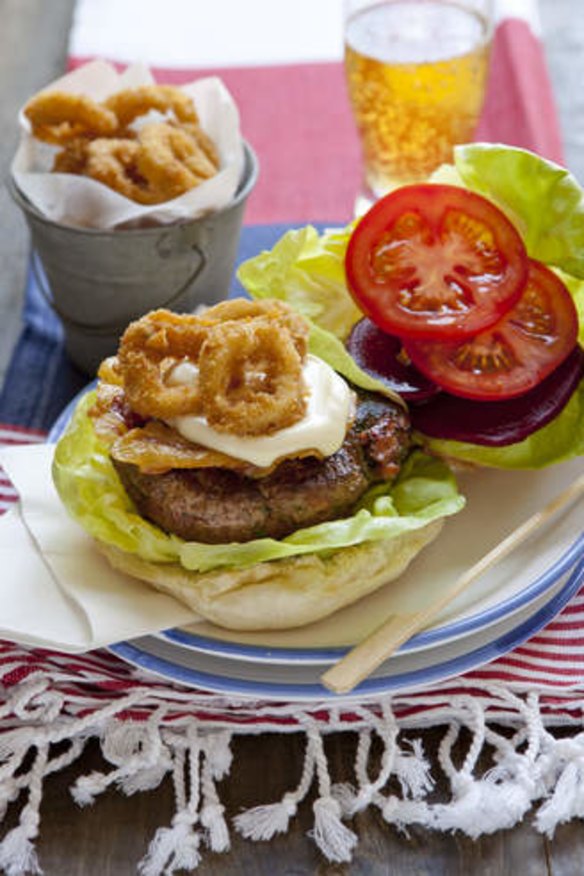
column 282, row 594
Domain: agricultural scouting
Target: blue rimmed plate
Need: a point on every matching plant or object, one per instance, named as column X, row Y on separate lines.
column 497, row 502
column 301, row 683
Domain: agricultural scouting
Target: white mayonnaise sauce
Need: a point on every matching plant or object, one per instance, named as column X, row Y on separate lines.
column 323, row 427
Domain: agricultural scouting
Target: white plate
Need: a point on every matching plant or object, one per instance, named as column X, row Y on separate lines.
column 297, row 682
column 497, row 502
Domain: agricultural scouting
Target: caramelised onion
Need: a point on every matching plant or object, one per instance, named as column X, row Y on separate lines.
column 381, row 356
column 499, row 423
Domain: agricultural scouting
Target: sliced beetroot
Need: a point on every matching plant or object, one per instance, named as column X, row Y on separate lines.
column 378, row 354
column 497, row 424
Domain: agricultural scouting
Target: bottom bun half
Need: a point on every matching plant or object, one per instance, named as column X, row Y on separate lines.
column 285, row 593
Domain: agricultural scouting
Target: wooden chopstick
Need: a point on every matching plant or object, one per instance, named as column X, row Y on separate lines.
column 365, row 657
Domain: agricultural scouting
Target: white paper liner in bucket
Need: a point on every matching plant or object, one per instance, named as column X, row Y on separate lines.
column 78, row 200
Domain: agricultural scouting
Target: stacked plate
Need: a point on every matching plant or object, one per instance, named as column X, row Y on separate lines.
column 499, row 611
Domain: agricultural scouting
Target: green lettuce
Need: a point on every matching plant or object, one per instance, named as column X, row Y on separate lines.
column 90, row 489
column 544, row 200
column 332, row 350
column 546, row 204
column 306, row 269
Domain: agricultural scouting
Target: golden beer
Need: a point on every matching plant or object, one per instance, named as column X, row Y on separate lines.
column 416, row 73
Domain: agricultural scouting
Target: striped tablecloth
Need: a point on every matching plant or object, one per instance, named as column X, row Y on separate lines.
column 282, row 64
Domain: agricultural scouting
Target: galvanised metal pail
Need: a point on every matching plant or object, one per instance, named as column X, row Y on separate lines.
column 99, row 281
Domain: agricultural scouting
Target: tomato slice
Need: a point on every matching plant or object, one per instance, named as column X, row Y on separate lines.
column 435, row 262
column 501, row 422
column 515, row 354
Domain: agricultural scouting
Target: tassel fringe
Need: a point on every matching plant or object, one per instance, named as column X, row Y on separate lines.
column 533, row 773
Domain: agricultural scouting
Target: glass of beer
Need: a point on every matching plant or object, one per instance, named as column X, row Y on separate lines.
column 416, row 75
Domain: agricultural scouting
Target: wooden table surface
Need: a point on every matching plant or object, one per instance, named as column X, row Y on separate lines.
column 109, row 838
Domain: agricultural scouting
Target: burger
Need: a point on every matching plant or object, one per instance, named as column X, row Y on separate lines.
column 240, row 460
column 281, row 456
column 465, row 296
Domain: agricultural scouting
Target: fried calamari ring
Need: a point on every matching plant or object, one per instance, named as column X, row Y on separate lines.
column 131, row 103
column 146, row 389
column 249, row 356
column 113, row 162
column 72, row 158
column 109, row 371
column 149, row 349
column 250, row 378
column 163, row 334
column 204, row 142
column 243, row 308
column 59, row 117
column 171, row 160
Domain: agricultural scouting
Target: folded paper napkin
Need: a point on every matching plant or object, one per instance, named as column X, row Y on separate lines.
column 145, row 725
column 72, row 600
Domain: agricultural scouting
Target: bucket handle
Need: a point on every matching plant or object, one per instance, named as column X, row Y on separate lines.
column 42, row 284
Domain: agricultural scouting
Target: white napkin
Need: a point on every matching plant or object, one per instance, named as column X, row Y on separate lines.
column 57, row 591
column 81, row 201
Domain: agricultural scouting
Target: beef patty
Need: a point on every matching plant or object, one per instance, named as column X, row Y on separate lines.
column 216, row 506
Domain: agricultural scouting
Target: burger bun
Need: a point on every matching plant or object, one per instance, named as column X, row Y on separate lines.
column 286, row 593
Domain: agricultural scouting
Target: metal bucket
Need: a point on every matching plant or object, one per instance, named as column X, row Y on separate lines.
column 98, row 281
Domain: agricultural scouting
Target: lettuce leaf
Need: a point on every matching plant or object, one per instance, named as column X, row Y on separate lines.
column 332, row 350
column 91, row 491
column 306, row 269
column 544, row 200
column 93, row 494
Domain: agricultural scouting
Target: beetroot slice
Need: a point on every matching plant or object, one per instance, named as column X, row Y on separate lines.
column 376, row 353
column 497, row 424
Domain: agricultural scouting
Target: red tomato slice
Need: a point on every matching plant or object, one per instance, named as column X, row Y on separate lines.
column 515, row 354
column 435, row 262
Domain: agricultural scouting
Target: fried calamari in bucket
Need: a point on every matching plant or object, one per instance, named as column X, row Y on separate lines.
column 59, row 117
column 115, row 142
